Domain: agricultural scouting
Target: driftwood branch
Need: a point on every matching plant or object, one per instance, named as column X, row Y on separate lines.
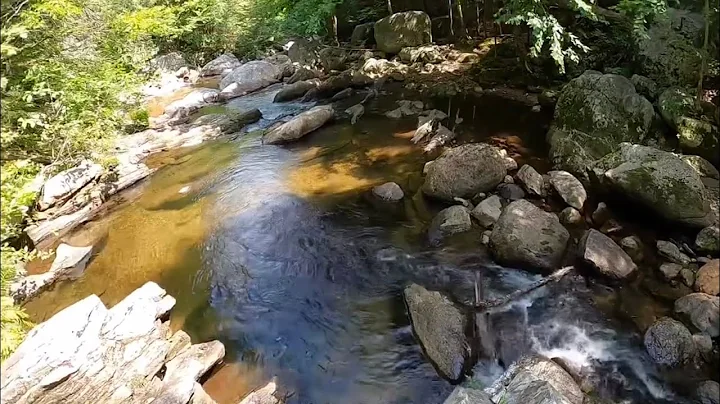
column 554, row 277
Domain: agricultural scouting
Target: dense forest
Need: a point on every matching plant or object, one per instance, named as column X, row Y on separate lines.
column 72, row 69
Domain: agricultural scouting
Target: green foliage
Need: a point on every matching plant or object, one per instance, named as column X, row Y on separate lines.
column 641, row 12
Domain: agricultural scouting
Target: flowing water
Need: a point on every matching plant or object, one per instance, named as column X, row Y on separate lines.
column 280, row 253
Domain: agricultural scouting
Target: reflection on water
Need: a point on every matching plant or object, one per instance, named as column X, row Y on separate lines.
column 280, row 253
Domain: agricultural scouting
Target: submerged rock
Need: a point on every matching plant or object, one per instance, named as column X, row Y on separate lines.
column 300, row 126
column 388, row 191
column 440, row 327
column 222, row 64
column 669, row 343
column 453, row 220
column 464, row 171
column 606, row 257
column 593, row 116
column 231, row 121
column 702, row 310
column 410, row 28
column 708, row 278
column 488, row 211
column 658, row 180
column 531, row 180
column 569, row 188
column 527, row 236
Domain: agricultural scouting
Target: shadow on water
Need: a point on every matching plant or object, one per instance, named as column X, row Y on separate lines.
column 280, row 253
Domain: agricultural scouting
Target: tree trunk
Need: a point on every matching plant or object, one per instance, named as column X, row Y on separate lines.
column 390, row 7
column 450, row 14
column 703, row 62
column 461, row 17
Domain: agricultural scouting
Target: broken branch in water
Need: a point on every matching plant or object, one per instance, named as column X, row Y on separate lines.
column 554, row 277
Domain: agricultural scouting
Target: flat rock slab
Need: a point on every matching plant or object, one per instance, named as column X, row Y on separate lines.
column 606, row 257
column 440, row 327
column 90, row 354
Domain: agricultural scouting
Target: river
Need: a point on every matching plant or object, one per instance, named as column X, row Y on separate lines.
column 280, row 253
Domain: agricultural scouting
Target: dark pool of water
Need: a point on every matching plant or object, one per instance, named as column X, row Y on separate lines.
column 279, row 253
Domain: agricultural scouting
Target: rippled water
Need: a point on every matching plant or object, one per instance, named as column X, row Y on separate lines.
column 280, row 253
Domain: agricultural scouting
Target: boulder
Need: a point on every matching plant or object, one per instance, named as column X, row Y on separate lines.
column 569, row 188
column 708, row 239
column 604, row 256
column 670, row 270
column 192, row 102
column 363, row 34
column 231, row 121
column 594, row 114
column 410, row 28
column 249, row 77
column 69, row 263
column 300, row 125
column 333, row 59
column 696, row 132
column 453, row 220
column 464, row 171
column 570, row 216
column 687, row 276
column 465, row 395
column 63, row 185
column 527, row 236
column 421, row 54
column 334, row 84
column 378, row 68
column 221, row 65
column 702, row 310
column 703, row 167
column 169, row 63
column 669, row 343
column 658, row 180
column 645, row 86
column 510, row 192
column 707, row 279
column 667, row 52
column 302, row 74
column 388, row 191
column 295, row 90
column 633, row 246
column 440, row 328
column 303, row 52
column 531, row 180
column 488, row 211
column 540, row 380
column 672, row 252
column 708, row 392
column 89, row 354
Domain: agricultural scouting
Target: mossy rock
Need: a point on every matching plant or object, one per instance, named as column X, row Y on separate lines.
column 693, row 124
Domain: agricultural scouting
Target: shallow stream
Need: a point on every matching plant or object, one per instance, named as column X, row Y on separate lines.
column 281, row 254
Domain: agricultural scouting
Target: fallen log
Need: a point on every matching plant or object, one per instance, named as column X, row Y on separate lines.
column 493, row 303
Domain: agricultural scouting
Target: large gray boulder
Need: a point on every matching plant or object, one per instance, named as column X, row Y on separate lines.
column 453, row 220
column 540, row 380
column 669, row 343
column 440, row 327
column 249, row 77
column 527, row 236
column 668, row 54
column 63, row 185
column 606, row 257
column 658, row 180
column 702, row 310
column 464, row 171
column 696, row 131
column 222, row 64
column 300, row 126
column 594, row 114
column 410, row 28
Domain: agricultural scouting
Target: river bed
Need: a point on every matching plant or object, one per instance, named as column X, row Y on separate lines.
column 280, row 253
